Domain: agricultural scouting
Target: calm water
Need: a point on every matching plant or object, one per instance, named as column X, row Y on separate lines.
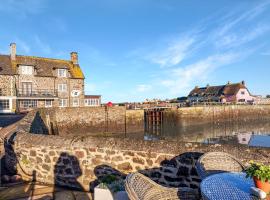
column 251, row 132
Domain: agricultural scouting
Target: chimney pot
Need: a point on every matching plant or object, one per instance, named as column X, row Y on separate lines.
column 13, row 51
column 74, row 57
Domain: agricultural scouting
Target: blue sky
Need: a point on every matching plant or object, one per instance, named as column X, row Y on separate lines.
column 138, row 49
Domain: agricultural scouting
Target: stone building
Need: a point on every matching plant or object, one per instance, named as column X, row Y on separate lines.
column 92, row 100
column 28, row 82
column 231, row 93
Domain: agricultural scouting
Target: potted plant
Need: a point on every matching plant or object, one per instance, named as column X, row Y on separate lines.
column 110, row 188
column 261, row 175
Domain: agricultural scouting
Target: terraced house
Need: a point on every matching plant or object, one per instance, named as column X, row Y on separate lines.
column 28, row 82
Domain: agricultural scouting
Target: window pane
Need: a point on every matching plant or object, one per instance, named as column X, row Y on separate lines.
column 4, row 104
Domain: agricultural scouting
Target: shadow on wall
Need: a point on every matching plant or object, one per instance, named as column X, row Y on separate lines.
column 38, row 126
column 177, row 172
column 66, row 171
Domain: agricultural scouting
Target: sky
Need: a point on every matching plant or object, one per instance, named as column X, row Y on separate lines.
column 132, row 50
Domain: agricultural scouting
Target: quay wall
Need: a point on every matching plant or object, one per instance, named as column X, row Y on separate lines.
column 221, row 112
column 82, row 162
column 65, row 121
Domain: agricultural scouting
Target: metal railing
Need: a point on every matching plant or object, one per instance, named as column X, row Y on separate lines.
column 37, row 93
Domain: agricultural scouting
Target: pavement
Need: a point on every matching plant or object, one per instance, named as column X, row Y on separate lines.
column 8, row 119
column 37, row 191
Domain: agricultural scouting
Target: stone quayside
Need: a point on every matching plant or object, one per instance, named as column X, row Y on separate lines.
column 81, row 162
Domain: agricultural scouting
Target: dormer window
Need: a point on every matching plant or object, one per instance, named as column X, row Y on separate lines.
column 62, row 73
column 27, row 70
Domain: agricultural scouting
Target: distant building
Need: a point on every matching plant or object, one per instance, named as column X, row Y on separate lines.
column 28, row 82
column 92, row 100
column 231, row 93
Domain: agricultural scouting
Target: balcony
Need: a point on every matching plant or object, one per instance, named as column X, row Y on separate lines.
column 37, row 93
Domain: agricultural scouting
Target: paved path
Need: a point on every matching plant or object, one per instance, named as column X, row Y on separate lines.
column 6, row 120
column 35, row 191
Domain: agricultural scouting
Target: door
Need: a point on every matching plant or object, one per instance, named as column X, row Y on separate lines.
column 27, row 88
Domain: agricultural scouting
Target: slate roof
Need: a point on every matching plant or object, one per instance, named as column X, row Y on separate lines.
column 226, row 90
column 92, row 96
column 43, row 66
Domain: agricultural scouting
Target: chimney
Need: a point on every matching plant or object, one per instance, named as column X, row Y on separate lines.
column 243, row 83
column 229, row 82
column 13, row 51
column 74, row 57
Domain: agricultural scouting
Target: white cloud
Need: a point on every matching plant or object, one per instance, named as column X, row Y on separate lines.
column 143, row 88
column 215, row 46
column 182, row 78
column 174, row 53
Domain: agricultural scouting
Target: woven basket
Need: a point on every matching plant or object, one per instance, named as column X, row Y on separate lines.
column 217, row 162
column 140, row 187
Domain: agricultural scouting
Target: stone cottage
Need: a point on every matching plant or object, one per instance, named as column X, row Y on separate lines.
column 28, row 82
column 231, row 92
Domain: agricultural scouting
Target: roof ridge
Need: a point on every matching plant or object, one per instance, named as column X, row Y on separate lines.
column 45, row 58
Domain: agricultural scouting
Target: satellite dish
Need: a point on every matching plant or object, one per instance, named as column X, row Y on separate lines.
column 75, row 93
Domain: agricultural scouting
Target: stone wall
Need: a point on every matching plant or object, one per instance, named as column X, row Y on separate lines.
column 7, row 85
column 222, row 112
column 75, row 121
column 81, row 162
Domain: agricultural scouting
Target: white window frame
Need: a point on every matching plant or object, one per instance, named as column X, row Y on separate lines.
column 76, row 102
column 62, row 104
column 62, row 87
column 62, row 73
column 50, row 105
column 8, row 110
column 27, row 70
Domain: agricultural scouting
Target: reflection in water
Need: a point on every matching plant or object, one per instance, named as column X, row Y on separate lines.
column 247, row 132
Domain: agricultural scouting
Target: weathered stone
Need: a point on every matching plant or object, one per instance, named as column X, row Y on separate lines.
column 117, row 158
column 96, row 161
column 33, row 153
column 47, row 159
column 193, row 171
column 79, row 154
column 138, row 160
column 141, row 154
column 92, row 149
column 193, row 186
column 68, row 171
column 197, row 180
column 169, row 163
column 39, row 160
column 110, row 152
column 88, row 173
column 51, row 153
column 66, row 161
column 124, row 166
column 171, row 179
column 183, row 171
column 149, row 162
column 46, row 167
column 156, row 175
column 129, row 153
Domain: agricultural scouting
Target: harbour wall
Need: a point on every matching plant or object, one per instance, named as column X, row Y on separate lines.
column 82, row 162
